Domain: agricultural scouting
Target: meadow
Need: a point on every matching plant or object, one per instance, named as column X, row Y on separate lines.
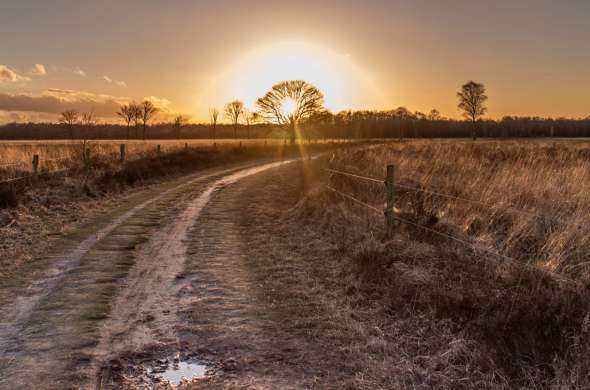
column 482, row 280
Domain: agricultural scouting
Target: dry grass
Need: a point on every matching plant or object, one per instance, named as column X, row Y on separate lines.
column 16, row 156
column 412, row 309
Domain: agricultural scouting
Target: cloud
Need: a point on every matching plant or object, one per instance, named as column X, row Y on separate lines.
column 116, row 82
column 38, row 70
column 162, row 104
column 79, row 72
column 10, row 75
column 53, row 101
column 57, row 100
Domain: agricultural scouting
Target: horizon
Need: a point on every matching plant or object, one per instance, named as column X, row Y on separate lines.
column 194, row 56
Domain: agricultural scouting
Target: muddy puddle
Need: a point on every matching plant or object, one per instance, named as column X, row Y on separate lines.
column 178, row 372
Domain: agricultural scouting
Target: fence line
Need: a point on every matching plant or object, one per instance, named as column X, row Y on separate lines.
column 440, row 194
column 371, row 179
column 390, row 214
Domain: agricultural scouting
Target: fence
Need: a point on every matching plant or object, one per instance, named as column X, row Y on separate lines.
column 22, row 171
column 389, row 212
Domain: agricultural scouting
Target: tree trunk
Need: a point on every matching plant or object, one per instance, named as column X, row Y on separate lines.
column 292, row 132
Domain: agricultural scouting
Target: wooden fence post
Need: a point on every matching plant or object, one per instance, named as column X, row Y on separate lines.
column 389, row 185
column 158, row 150
column 35, row 164
column 122, row 152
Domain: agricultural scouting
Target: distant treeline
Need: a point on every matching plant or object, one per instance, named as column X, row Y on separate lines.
column 399, row 123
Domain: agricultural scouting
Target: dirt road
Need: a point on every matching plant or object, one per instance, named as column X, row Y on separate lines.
column 112, row 304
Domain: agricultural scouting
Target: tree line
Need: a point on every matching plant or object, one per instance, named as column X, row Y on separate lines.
column 295, row 109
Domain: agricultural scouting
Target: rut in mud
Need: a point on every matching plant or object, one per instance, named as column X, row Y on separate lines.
column 56, row 340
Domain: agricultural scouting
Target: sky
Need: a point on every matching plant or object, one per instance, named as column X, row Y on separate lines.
column 188, row 56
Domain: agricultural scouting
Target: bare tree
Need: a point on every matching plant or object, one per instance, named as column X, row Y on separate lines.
column 472, row 97
column 128, row 114
column 88, row 121
column 69, row 119
column 434, row 115
column 290, row 102
column 136, row 113
column 147, row 110
column 213, row 115
column 250, row 118
column 179, row 122
column 234, row 111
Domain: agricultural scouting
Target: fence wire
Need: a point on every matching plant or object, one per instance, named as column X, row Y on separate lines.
column 508, row 259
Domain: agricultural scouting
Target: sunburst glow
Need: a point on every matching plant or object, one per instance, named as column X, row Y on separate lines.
column 340, row 79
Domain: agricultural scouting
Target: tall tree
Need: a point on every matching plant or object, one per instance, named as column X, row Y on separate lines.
column 233, row 112
column 136, row 113
column 69, row 119
column 289, row 102
column 127, row 113
column 147, row 111
column 472, row 98
column 179, row 122
column 434, row 115
column 213, row 115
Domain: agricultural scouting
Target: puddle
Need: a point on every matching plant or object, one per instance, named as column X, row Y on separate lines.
column 174, row 372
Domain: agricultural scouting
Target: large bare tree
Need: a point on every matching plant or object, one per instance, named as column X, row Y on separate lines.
column 233, row 112
column 128, row 114
column 289, row 102
column 147, row 110
column 69, row 119
column 213, row 116
column 472, row 98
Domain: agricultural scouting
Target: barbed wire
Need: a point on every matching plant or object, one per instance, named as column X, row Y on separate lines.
column 371, row 179
column 491, row 206
column 441, row 194
column 352, row 198
column 508, row 259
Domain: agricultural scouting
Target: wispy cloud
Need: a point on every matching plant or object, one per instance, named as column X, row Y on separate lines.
column 10, row 75
column 79, row 72
column 38, row 70
column 116, row 82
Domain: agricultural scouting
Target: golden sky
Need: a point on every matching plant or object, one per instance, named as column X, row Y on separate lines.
column 187, row 56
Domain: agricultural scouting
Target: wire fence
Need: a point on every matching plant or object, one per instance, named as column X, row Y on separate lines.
column 390, row 214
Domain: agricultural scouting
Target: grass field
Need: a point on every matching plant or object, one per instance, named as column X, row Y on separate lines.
column 16, row 156
column 475, row 277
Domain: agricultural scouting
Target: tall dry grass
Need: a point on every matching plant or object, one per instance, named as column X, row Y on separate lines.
column 524, row 328
column 531, row 200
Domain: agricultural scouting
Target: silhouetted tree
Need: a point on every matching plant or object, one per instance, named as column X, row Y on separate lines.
column 88, row 121
column 147, row 111
column 234, row 111
column 127, row 113
column 434, row 115
column 472, row 98
column 179, row 122
column 250, row 118
column 290, row 102
column 69, row 119
column 136, row 112
column 213, row 115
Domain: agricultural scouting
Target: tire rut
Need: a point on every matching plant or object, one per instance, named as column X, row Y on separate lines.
column 47, row 336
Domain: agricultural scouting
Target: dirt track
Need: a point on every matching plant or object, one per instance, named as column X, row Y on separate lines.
column 126, row 290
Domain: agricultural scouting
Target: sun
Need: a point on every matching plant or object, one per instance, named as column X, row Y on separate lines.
column 342, row 81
